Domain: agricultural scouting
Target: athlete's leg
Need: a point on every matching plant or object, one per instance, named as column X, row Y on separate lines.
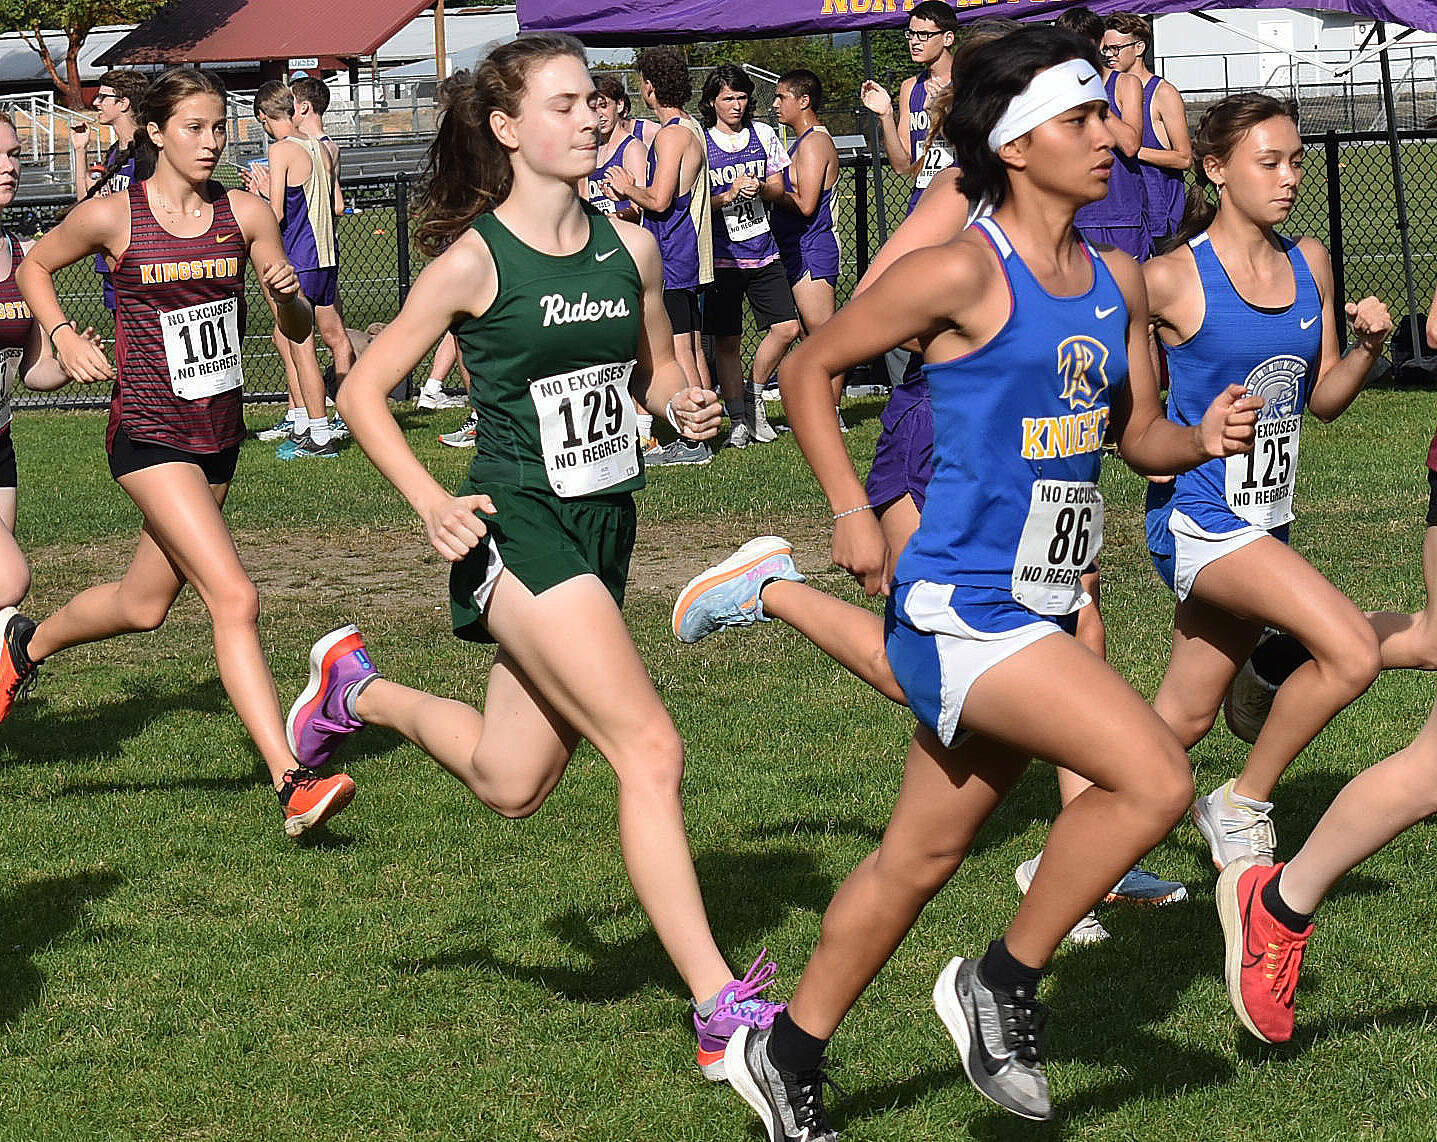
column 310, row 377
column 570, row 645
column 330, row 324
column 1093, row 633
column 1410, row 641
column 282, row 346
column 14, row 568
column 728, row 369
column 688, row 358
column 1093, row 723
column 184, row 539
column 1210, row 644
column 1267, row 582
column 776, row 342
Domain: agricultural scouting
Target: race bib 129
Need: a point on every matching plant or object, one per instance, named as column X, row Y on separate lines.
column 587, row 428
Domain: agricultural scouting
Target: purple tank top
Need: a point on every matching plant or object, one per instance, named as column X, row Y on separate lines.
column 675, row 233
column 807, row 244
column 936, row 156
column 596, row 196
column 1125, row 204
column 743, row 238
column 1165, row 187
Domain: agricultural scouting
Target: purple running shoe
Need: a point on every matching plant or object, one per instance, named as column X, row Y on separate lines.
column 323, row 714
column 738, row 1006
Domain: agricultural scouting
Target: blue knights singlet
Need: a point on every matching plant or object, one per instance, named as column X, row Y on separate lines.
column 1013, row 512
column 1274, row 354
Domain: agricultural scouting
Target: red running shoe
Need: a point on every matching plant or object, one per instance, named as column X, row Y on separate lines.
column 309, row 799
column 1264, row 957
column 17, row 672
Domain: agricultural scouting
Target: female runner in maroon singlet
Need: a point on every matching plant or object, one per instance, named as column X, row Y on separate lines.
column 24, row 356
column 178, row 243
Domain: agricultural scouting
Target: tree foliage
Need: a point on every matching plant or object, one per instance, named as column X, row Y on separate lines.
column 74, row 19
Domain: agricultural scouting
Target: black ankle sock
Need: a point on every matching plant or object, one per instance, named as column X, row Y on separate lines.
column 1002, row 972
column 1272, row 900
column 1278, row 657
column 791, row 1048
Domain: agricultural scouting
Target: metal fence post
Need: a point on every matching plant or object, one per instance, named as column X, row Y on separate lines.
column 401, row 251
column 860, row 216
column 1334, row 227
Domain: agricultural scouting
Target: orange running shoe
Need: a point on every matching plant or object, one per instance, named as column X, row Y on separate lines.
column 1264, row 956
column 309, row 799
column 17, row 672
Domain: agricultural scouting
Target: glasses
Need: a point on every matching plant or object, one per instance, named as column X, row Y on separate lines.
column 1116, row 49
column 99, row 95
column 915, row 36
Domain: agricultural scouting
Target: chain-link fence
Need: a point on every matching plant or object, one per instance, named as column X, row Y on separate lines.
column 1348, row 201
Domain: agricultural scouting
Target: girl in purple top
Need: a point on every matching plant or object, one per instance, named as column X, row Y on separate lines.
column 617, row 148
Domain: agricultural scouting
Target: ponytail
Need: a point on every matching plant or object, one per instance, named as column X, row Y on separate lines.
column 467, row 171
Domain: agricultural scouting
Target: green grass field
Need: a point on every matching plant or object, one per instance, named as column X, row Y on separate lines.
column 172, row 967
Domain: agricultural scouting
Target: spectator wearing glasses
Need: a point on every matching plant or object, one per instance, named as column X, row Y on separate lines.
column 1120, row 219
column 117, row 104
column 908, row 141
column 1166, row 153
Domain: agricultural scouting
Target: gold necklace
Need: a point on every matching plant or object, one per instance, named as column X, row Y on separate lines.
column 174, row 210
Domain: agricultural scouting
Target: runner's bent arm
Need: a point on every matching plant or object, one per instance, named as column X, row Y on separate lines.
column 293, row 313
column 894, row 129
column 658, row 378
column 461, row 282
column 1171, row 113
column 917, row 299
column 1150, row 443
column 1127, row 125
column 1341, row 378
column 99, row 226
column 669, row 147
column 940, row 216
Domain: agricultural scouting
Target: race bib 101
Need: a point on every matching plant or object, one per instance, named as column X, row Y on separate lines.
column 745, row 218
column 203, row 351
column 1061, row 537
column 587, row 428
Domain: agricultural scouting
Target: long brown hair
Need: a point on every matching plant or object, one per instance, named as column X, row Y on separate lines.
column 161, row 100
column 468, row 171
column 1221, row 129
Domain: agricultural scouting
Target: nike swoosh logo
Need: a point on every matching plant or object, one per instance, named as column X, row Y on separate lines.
column 1250, row 958
column 1308, row 323
column 606, row 255
column 1099, row 312
column 990, row 1062
column 227, row 237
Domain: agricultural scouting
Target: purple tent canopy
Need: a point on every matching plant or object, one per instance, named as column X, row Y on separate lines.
column 667, row 21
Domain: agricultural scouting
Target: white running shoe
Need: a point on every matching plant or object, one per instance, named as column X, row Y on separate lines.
column 463, row 436
column 757, row 417
column 1086, row 931
column 1248, row 702
column 1235, row 827
column 439, row 400
column 276, row 431
column 740, row 435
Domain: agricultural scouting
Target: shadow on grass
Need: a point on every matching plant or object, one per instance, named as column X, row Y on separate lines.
column 33, row 917
column 36, row 735
column 1314, row 1034
column 790, row 879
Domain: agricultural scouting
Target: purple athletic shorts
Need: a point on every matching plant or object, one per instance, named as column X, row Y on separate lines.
column 320, row 286
column 903, row 457
column 1134, row 240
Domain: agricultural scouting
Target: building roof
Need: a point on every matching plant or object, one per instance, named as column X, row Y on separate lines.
column 213, row 31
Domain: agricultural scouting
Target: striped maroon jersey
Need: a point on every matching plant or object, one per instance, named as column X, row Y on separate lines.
column 179, row 328
column 15, row 322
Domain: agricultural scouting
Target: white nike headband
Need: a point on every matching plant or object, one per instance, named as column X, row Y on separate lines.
column 1051, row 92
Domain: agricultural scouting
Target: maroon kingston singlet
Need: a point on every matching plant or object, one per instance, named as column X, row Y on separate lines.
column 179, row 328
column 15, row 323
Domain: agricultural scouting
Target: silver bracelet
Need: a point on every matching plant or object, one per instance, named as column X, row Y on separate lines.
column 853, row 511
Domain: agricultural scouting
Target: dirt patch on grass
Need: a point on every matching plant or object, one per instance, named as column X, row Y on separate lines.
column 396, row 568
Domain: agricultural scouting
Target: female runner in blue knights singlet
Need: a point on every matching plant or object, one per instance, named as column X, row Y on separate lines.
column 1238, row 302
column 1028, row 335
